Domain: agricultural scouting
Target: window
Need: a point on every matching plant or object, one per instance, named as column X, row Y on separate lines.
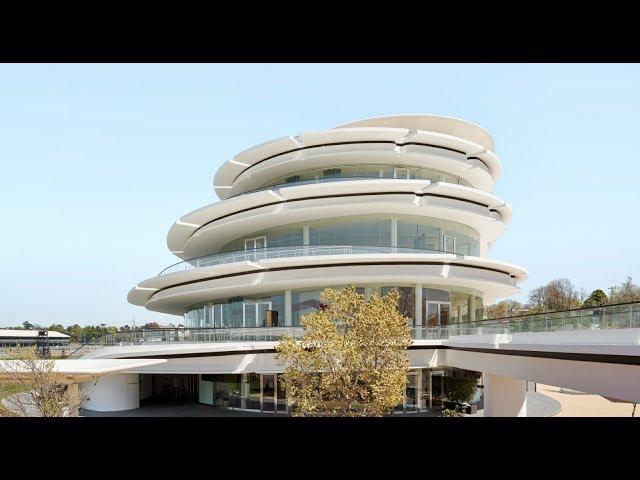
column 255, row 243
column 449, row 243
column 401, row 173
column 255, row 314
column 331, row 173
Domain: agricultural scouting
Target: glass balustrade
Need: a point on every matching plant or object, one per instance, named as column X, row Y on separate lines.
column 622, row 315
column 254, row 255
column 599, row 318
column 336, row 173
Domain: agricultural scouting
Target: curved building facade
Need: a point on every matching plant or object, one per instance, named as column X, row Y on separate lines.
column 402, row 201
column 393, row 202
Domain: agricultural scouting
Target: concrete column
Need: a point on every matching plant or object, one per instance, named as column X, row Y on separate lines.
column 504, row 396
column 418, row 307
column 472, row 308
column 394, row 232
column 288, row 315
column 113, row 393
column 305, row 235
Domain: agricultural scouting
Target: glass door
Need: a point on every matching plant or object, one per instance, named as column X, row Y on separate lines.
column 254, row 247
column 433, row 314
column 401, row 173
column 255, row 314
column 445, row 311
column 250, row 391
column 268, row 392
column 449, row 243
column 437, row 313
column 281, row 399
column 412, row 393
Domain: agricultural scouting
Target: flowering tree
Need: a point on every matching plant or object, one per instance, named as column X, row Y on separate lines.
column 351, row 360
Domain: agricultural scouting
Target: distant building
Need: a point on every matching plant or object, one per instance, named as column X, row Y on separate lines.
column 26, row 338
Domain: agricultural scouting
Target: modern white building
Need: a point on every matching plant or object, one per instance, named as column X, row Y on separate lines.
column 402, row 201
column 392, row 202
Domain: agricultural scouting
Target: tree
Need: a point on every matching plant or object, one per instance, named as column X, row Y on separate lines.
column 31, row 387
column 351, row 360
column 151, row 325
column 505, row 308
column 57, row 328
column 627, row 291
column 559, row 294
column 460, row 390
column 27, row 325
column 595, row 299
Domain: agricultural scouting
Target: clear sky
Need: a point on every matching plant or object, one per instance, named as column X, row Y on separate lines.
column 99, row 160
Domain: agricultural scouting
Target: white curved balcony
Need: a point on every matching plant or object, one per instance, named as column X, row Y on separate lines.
column 287, row 252
column 189, row 283
column 389, row 160
column 211, row 227
column 447, row 134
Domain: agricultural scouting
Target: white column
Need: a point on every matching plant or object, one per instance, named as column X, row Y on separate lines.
column 288, row 316
column 305, row 235
column 418, row 307
column 394, row 232
column 504, row 396
column 472, row 308
column 113, row 393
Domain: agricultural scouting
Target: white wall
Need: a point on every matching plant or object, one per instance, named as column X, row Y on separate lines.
column 114, row 393
column 606, row 379
column 504, row 396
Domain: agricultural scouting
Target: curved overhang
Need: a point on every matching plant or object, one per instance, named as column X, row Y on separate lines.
column 456, row 127
column 223, row 357
column 174, row 292
column 242, row 163
column 177, row 348
column 205, row 230
column 472, row 170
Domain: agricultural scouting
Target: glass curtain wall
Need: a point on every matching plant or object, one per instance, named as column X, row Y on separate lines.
column 349, row 172
column 370, row 230
column 437, row 234
column 248, row 391
column 440, row 306
column 237, row 313
column 265, row 391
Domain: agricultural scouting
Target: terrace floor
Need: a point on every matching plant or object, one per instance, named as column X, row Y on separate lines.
column 538, row 405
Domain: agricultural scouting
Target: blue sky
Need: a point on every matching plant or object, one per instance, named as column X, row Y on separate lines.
column 99, row 160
